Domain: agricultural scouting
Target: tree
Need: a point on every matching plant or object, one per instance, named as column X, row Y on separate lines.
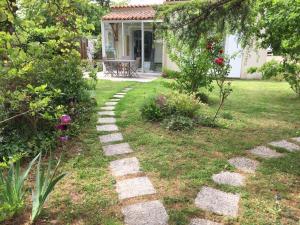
column 267, row 23
column 194, row 65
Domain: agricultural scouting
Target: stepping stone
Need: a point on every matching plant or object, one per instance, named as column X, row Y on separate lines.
column 203, row 222
column 127, row 89
column 106, row 113
column 145, row 213
column 107, row 120
column 114, row 99
column 108, row 108
column 117, row 149
column 134, row 187
column 119, row 96
column 234, row 179
column 121, row 93
column 111, row 138
column 244, row 164
column 291, row 147
column 297, row 139
column 265, row 152
column 111, row 103
column 125, row 166
column 219, row 202
column 110, row 127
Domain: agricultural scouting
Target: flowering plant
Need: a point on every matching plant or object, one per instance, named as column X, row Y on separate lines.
column 65, row 121
column 219, row 71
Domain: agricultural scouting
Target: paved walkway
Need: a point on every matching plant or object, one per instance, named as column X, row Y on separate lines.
column 143, row 213
column 227, row 204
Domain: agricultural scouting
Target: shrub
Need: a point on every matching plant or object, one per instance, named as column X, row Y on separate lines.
column 181, row 104
column 227, row 115
column 151, row 110
column 178, row 123
column 202, row 97
column 162, row 106
column 172, row 74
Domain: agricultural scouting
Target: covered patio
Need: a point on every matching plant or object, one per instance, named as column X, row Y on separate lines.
column 129, row 43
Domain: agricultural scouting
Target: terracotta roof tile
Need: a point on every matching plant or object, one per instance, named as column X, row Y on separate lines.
column 133, row 12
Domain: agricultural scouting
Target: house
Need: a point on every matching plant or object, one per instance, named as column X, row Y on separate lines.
column 129, row 32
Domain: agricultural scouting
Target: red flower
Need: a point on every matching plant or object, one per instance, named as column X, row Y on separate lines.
column 221, row 51
column 209, row 46
column 219, row 61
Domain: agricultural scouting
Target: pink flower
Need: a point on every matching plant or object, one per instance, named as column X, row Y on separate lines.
column 64, row 138
column 65, row 119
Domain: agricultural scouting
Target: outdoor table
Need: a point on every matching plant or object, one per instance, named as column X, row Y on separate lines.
column 120, row 67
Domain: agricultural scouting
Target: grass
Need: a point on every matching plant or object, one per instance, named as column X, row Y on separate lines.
column 180, row 163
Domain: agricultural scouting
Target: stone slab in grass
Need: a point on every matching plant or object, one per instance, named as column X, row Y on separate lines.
column 244, row 164
column 111, row 103
column 119, row 96
column 117, row 149
column 125, row 166
column 108, row 108
column 219, row 202
column 134, row 187
column 145, row 213
column 111, row 138
column 265, row 152
column 197, row 221
column 106, row 120
column 297, row 139
column 229, row 178
column 106, row 113
column 291, row 147
column 108, row 128
column 121, row 93
column 114, row 100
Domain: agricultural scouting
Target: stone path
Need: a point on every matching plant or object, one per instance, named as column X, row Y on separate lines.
column 227, row 204
column 145, row 212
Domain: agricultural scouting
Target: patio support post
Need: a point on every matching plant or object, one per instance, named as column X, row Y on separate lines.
column 123, row 39
column 103, row 43
column 143, row 46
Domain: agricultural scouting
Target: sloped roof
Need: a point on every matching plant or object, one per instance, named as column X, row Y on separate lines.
column 131, row 12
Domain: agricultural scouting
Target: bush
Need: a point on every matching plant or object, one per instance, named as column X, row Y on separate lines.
column 178, row 123
column 151, row 110
column 162, row 106
column 202, row 97
column 167, row 73
column 181, row 104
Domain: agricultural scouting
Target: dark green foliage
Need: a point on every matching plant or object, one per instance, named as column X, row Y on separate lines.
column 227, row 115
column 170, row 74
column 151, row 110
column 178, row 123
column 202, row 97
column 41, row 73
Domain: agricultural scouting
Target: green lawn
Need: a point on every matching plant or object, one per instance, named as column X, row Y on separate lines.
column 180, row 163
